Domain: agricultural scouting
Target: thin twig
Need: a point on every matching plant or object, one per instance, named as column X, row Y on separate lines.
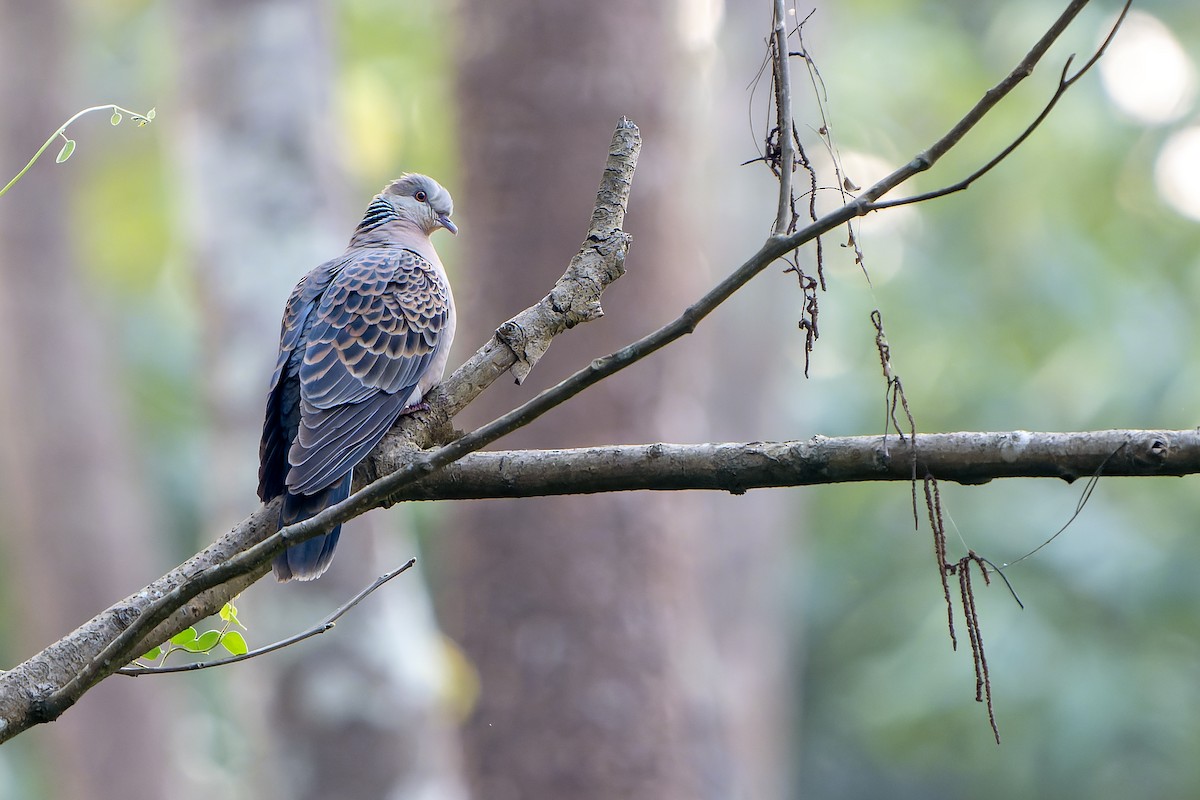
column 783, row 111
column 1084, row 497
column 1007, row 583
column 822, row 97
column 321, row 627
column 62, row 129
column 810, row 308
column 1064, row 83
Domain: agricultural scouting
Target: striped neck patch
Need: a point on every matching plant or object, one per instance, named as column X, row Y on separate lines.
column 379, row 212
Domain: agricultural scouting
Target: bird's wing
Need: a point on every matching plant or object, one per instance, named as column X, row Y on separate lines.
column 373, row 336
column 282, row 412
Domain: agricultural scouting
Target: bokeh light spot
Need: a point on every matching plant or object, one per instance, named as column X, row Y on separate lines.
column 1177, row 172
column 1147, row 73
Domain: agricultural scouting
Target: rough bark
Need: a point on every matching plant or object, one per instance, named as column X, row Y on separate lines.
column 968, row 457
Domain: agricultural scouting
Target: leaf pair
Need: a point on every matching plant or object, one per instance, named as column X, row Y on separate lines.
column 193, row 641
column 69, row 145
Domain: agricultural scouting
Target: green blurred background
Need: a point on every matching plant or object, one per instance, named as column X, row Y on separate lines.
column 1058, row 293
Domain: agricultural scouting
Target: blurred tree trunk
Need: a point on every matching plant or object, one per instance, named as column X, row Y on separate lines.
column 78, row 531
column 267, row 202
column 601, row 674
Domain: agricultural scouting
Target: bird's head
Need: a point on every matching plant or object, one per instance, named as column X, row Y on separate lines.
column 423, row 201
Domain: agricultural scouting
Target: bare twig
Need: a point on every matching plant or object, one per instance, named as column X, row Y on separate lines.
column 1022, row 71
column 1084, row 497
column 788, row 153
column 783, row 112
column 809, row 322
column 894, row 397
column 323, row 626
column 776, row 246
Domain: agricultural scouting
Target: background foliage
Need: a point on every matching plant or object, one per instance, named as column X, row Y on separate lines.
column 1059, row 293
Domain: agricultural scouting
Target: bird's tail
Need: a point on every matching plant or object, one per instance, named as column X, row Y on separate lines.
column 307, row 560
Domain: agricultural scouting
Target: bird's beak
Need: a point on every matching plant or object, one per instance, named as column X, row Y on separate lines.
column 445, row 222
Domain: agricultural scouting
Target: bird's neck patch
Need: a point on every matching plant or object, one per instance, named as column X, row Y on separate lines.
column 380, row 212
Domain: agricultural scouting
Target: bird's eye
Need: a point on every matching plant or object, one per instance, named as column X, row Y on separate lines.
column 421, row 197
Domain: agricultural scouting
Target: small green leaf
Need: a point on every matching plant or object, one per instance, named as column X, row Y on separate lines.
column 66, row 151
column 207, row 641
column 230, row 614
column 116, row 118
column 152, row 655
column 150, row 114
column 184, row 637
column 235, row 643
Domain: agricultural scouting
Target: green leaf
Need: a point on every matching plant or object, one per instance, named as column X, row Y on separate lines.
column 66, row 151
column 116, row 118
column 229, row 613
column 235, row 643
column 207, row 641
column 150, row 114
column 152, row 655
column 184, row 637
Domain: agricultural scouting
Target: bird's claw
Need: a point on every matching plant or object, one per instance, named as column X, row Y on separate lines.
column 414, row 408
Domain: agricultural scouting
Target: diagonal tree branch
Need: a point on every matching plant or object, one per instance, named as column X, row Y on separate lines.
column 1065, row 82
column 990, row 99
column 44, row 686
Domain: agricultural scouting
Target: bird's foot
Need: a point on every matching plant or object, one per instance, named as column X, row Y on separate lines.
column 414, row 408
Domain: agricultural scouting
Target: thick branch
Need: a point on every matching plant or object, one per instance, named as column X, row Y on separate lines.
column 968, row 458
column 41, row 688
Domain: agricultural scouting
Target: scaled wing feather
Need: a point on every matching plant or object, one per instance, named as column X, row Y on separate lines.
column 373, row 336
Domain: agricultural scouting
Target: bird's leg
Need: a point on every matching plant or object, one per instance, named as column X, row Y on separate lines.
column 414, row 408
